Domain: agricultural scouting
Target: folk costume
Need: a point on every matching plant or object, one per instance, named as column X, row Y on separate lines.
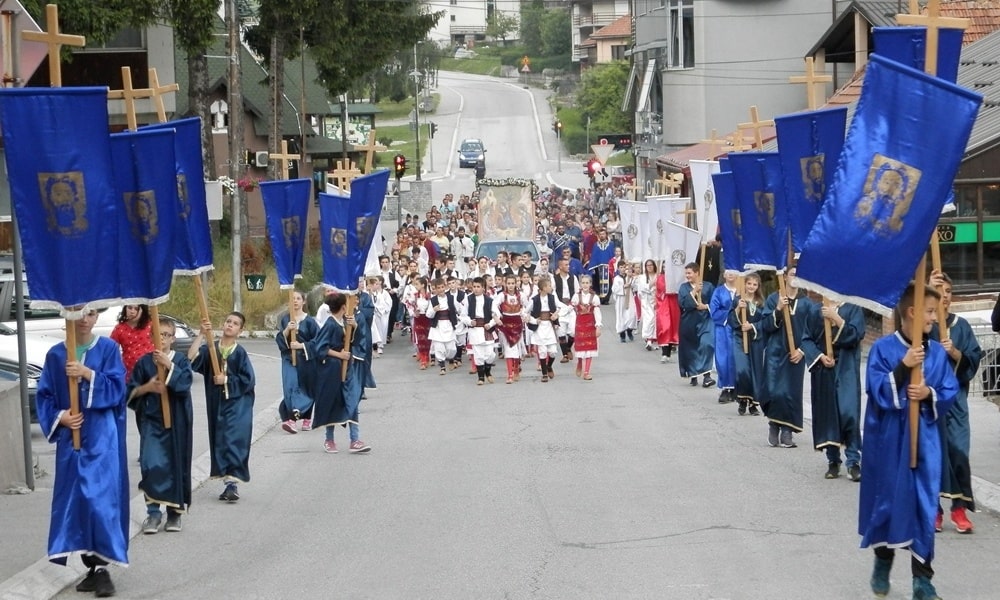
column 781, row 394
column 722, row 302
column 421, row 327
column 542, row 321
column 696, row 339
column 599, row 266
column 444, row 317
column 625, row 320
column 478, row 318
column 587, row 307
column 461, row 332
column 508, row 311
column 298, row 381
column 90, row 496
column 565, row 286
column 165, row 456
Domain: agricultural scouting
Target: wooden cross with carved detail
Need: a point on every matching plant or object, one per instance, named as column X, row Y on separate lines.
column 343, row 175
column 815, row 84
column 370, row 148
column 755, row 125
column 283, row 159
column 129, row 95
column 934, row 22
column 713, row 143
column 55, row 41
column 158, row 92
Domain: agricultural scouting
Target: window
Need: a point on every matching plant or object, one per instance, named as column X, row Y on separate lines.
column 452, row 18
column 618, row 52
column 454, row 2
column 220, row 115
column 681, row 40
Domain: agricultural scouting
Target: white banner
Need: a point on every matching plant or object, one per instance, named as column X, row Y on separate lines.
column 661, row 210
column 683, row 244
column 634, row 239
column 703, row 191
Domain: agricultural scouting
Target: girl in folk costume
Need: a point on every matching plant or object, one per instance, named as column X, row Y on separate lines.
column 528, row 290
column 298, row 330
column 542, row 321
column 508, row 309
column 745, row 316
column 587, row 306
column 722, row 300
column 668, row 317
column 459, row 295
column 696, row 351
column 383, row 305
column 621, row 291
column 444, row 316
column 644, row 286
column 417, row 307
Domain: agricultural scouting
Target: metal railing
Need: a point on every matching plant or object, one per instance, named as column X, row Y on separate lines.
column 987, row 382
column 595, row 19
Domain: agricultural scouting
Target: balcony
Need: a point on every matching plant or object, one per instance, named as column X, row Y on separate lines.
column 468, row 30
column 598, row 19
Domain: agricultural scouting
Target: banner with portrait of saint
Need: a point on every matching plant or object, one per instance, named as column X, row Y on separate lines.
column 506, row 209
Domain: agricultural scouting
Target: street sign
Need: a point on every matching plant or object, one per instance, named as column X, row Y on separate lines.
column 526, row 69
column 30, row 55
column 602, row 151
column 255, row 282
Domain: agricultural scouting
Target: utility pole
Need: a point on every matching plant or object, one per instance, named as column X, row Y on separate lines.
column 235, row 146
column 416, row 106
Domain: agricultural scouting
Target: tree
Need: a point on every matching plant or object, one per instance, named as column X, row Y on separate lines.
column 500, row 25
column 531, row 27
column 194, row 23
column 98, row 21
column 600, row 95
column 557, row 33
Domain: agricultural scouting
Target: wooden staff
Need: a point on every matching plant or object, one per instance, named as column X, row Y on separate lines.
column 154, row 317
column 828, row 330
column 203, row 308
column 292, row 336
column 942, row 312
column 352, row 305
column 741, row 285
column 786, row 312
column 701, row 270
column 74, row 382
column 916, row 341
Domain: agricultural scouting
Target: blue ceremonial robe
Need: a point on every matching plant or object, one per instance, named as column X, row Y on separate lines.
column 165, row 455
column 696, row 344
column 90, row 497
column 749, row 366
column 329, row 384
column 836, row 391
column 956, row 473
column 297, row 382
column 722, row 301
column 359, row 371
column 781, row 392
column 898, row 505
column 230, row 417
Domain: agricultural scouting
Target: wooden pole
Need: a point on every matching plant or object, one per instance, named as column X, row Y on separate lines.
column 74, row 382
column 942, row 312
column 741, row 284
column 352, row 305
column 828, row 330
column 786, row 312
column 203, row 308
column 916, row 340
column 154, row 318
column 293, row 336
column 701, row 269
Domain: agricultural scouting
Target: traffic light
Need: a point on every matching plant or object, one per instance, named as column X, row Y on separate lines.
column 557, row 127
column 400, row 165
column 594, row 167
column 434, row 129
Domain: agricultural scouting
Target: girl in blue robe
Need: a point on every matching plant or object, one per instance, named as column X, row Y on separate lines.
column 328, row 347
column 898, row 504
column 696, row 350
column 749, row 365
column 90, row 496
column 297, row 381
column 722, row 301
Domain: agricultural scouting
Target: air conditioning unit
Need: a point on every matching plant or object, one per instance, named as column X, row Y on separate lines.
column 261, row 159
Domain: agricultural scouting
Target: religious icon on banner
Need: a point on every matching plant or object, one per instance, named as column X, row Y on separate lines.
column 364, row 228
column 888, row 193
column 65, row 200
column 292, row 231
column 338, row 242
column 737, row 223
column 141, row 210
column 764, row 201
column 182, row 196
column 813, row 181
column 678, row 258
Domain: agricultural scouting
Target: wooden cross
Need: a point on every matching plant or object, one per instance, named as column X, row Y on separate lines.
column 129, row 95
column 283, row 158
column 158, row 92
column 738, row 143
column 55, row 41
column 670, row 185
column 370, row 149
column 713, row 143
column 934, row 22
column 814, row 83
column 342, row 176
column 755, row 125
column 634, row 189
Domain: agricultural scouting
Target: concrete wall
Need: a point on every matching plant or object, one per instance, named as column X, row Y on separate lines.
column 11, row 440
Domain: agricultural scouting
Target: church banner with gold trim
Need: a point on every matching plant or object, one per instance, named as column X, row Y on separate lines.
column 730, row 221
column 148, row 214
column 286, row 208
column 760, row 194
column 58, row 153
column 902, row 152
column 348, row 226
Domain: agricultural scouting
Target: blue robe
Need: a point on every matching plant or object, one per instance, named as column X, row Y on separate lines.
column 781, row 394
column 722, row 301
column 329, row 384
column 601, row 256
column 165, row 454
column 90, row 496
column 956, row 473
column 836, row 391
column 297, row 382
column 898, row 505
column 749, row 365
column 230, row 418
column 696, row 347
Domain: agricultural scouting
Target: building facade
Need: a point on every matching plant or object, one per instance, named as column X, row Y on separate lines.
column 465, row 21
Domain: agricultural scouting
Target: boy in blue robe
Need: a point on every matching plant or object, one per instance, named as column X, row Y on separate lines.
column 165, row 455
column 90, row 498
column 898, row 504
column 722, row 301
column 229, row 399
column 696, row 350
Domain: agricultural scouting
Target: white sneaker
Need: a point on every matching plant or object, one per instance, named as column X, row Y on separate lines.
column 663, row 359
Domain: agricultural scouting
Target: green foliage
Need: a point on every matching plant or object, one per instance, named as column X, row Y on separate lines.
column 98, row 22
column 557, row 33
column 574, row 134
column 532, row 16
column 194, row 23
column 477, row 65
column 600, row 95
column 500, row 25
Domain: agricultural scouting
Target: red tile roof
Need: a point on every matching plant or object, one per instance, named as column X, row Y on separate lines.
column 621, row 27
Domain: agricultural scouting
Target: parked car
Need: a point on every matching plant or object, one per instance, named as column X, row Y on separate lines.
column 36, row 347
column 489, row 249
column 470, row 152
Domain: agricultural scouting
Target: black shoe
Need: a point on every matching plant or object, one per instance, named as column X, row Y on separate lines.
column 833, row 471
column 754, row 411
column 854, row 473
column 742, row 408
column 230, row 494
column 89, row 583
column 173, row 522
column 727, row 396
column 694, row 381
column 103, row 587
column 772, row 434
column 708, row 382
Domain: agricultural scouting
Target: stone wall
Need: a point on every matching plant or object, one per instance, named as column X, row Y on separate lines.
column 11, row 438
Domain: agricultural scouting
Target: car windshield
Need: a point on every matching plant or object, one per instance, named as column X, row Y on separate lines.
column 471, row 146
column 490, row 249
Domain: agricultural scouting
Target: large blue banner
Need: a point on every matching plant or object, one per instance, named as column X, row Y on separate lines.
column 760, row 193
column 147, row 218
column 58, row 153
column 367, row 197
column 895, row 173
column 194, row 243
column 809, row 144
column 286, row 209
column 334, row 223
column 908, row 45
column 348, row 227
column 730, row 221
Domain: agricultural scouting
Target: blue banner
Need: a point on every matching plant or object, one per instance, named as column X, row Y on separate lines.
column 367, row 197
column 286, row 209
column 147, row 218
column 730, row 221
column 908, row 45
column 58, row 153
column 760, row 194
column 896, row 170
column 194, row 242
column 334, row 224
column 810, row 144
